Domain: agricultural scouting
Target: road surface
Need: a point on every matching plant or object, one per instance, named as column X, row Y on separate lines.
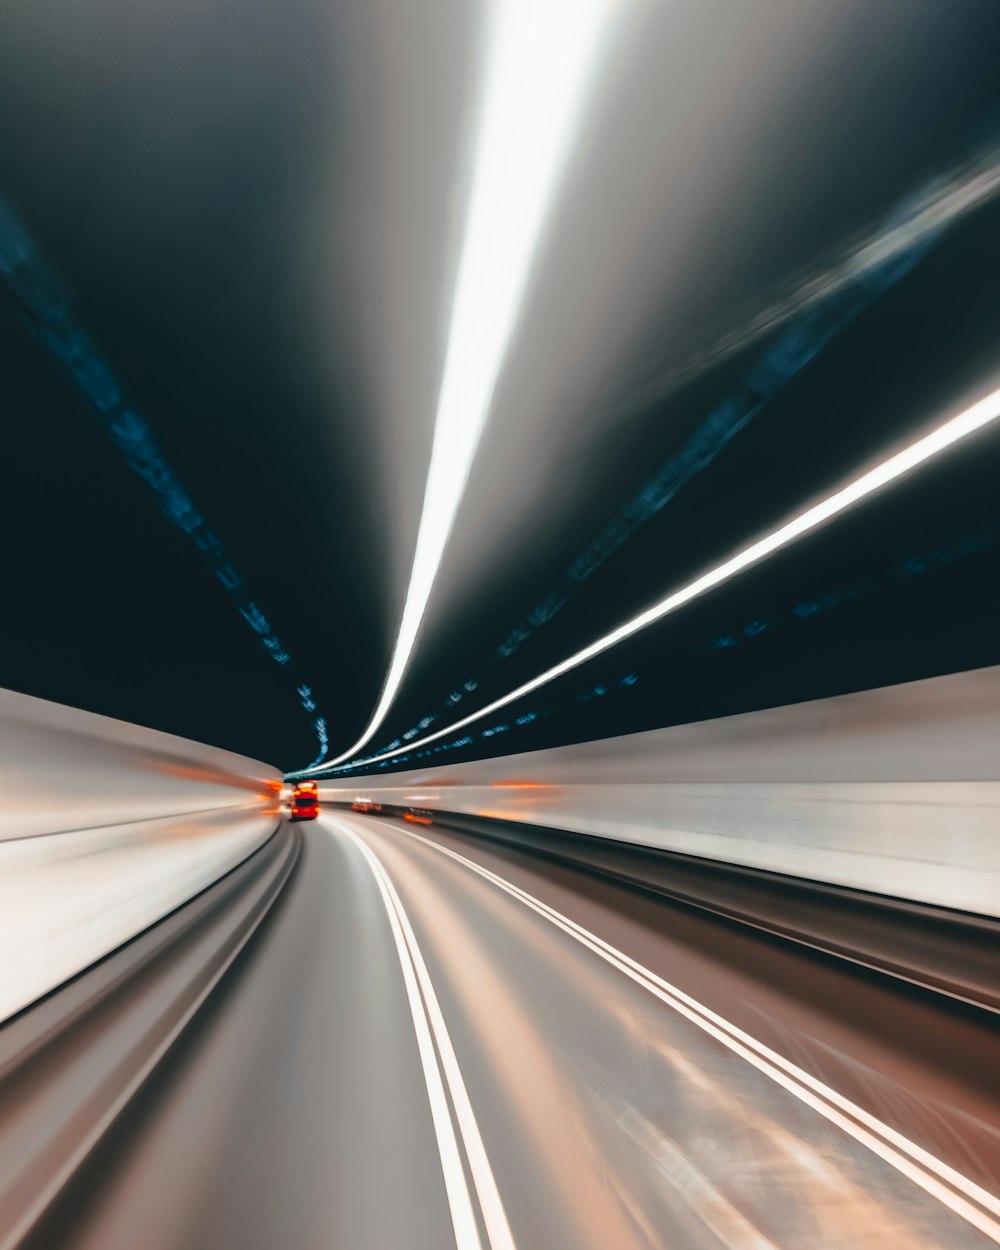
column 433, row 1041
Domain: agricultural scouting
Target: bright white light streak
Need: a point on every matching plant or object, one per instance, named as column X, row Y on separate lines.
column 948, row 1186
column 541, row 57
column 861, row 488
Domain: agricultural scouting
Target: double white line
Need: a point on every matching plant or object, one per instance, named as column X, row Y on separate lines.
column 960, row 1195
column 445, row 1087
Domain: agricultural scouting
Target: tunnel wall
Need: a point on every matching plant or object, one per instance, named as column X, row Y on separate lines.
column 895, row 791
column 105, row 827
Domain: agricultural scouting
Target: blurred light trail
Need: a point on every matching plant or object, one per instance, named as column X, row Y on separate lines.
column 808, row 319
column 962, row 1196
column 897, row 241
column 925, row 449
column 540, row 61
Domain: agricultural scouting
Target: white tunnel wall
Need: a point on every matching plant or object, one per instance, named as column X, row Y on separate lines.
column 105, row 827
column 895, row 791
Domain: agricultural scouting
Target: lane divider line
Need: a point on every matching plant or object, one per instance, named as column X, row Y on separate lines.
column 971, row 1202
column 441, row 1068
column 494, row 1216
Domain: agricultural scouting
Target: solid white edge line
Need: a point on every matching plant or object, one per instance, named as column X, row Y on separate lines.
column 456, row 1187
column 904, row 1155
column 494, row 1216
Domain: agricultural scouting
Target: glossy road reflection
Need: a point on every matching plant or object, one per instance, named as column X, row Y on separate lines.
column 435, row 1041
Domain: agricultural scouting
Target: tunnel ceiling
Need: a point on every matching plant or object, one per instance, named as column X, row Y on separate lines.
column 770, row 260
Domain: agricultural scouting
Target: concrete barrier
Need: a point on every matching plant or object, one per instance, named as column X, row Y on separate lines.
column 105, row 827
column 895, row 791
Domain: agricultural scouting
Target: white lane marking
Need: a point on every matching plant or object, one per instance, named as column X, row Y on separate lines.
column 459, row 1200
column 427, row 1010
column 972, row 1203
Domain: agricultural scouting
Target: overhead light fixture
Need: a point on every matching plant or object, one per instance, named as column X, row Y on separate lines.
column 541, row 58
column 864, row 486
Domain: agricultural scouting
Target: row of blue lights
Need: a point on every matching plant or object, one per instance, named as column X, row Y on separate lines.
column 45, row 307
column 913, row 565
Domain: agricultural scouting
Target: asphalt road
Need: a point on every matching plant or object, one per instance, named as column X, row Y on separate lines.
column 435, row 1041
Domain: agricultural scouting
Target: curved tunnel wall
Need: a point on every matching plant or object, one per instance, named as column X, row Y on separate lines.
column 105, row 827
column 895, row 791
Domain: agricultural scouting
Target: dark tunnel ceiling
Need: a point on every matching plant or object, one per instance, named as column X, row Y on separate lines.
column 180, row 171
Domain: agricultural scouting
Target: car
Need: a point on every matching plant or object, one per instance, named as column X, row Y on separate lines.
column 305, row 801
column 366, row 805
column 419, row 816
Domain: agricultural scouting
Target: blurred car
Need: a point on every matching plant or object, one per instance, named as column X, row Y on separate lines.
column 366, row 805
column 305, row 801
column 419, row 816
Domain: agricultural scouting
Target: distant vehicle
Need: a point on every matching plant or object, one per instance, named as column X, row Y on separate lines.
column 419, row 816
column 366, row 805
column 305, row 801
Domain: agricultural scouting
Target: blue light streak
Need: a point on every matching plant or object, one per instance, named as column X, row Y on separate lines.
column 45, row 308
